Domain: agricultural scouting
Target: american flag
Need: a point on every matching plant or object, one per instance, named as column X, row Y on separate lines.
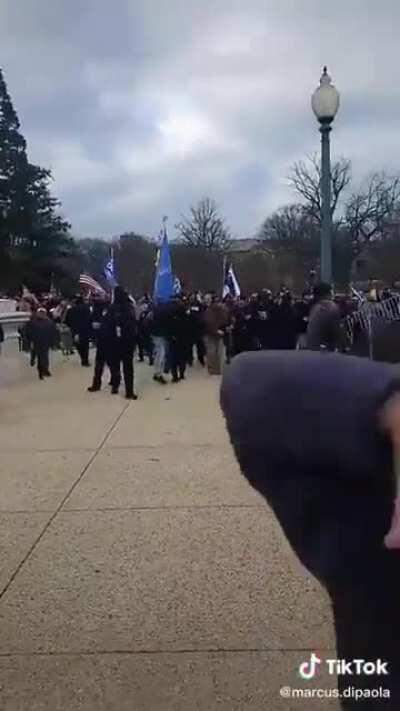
column 87, row 282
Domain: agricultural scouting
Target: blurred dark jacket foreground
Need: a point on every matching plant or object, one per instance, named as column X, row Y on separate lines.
column 324, row 328
column 385, row 342
column 304, row 428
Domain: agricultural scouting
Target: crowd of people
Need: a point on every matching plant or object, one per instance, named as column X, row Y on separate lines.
column 171, row 335
column 343, row 520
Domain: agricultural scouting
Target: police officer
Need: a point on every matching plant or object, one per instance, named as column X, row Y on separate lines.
column 100, row 309
column 120, row 341
column 79, row 320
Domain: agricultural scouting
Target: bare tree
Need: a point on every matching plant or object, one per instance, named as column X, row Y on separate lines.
column 305, row 179
column 291, row 229
column 292, row 234
column 136, row 263
column 369, row 210
column 204, row 227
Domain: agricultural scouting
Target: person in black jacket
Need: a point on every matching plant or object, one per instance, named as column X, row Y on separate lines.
column 302, row 309
column 254, row 319
column 326, row 469
column 242, row 334
column 159, row 334
column 283, row 324
column 100, row 309
column 228, row 330
column 26, row 341
column 120, row 341
column 1, row 336
column 263, row 322
column 144, row 339
column 324, row 330
column 41, row 333
column 79, row 320
column 178, row 338
column 196, row 330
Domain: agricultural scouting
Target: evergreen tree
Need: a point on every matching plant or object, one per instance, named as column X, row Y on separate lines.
column 33, row 236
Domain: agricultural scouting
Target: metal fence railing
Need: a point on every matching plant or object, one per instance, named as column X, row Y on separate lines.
column 369, row 314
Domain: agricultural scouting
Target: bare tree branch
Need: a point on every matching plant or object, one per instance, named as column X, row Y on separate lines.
column 204, row 227
column 369, row 210
column 292, row 229
column 305, row 179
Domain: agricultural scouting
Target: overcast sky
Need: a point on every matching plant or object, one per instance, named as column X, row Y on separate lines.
column 142, row 107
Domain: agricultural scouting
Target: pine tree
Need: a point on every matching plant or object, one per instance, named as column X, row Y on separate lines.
column 33, row 237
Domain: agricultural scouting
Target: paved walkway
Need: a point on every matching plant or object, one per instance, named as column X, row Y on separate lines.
column 139, row 571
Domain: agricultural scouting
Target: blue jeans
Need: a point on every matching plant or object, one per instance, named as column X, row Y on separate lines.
column 160, row 350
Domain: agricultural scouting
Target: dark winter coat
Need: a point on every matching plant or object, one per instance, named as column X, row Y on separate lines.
column 178, row 324
column 243, row 336
column 283, row 327
column 304, row 427
column 41, row 333
column 79, row 320
column 216, row 318
column 99, row 324
column 302, row 311
column 160, row 321
column 196, row 326
column 262, row 322
column 385, row 342
column 118, row 332
column 324, row 328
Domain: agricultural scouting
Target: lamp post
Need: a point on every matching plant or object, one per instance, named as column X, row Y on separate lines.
column 325, row 103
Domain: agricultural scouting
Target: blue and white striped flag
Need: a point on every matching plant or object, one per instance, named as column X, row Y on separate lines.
column 109, row 271
column 231, row 285
column 177, row 286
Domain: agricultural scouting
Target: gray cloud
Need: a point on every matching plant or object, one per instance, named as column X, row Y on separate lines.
column 141, row 108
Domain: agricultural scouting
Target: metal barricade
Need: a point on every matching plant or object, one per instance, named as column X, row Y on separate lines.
column 369, row 314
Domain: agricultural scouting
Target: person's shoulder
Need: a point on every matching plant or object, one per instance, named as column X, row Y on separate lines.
column 251, row 366
column 323, row 308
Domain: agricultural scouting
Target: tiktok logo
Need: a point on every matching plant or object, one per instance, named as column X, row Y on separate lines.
column 308, row 670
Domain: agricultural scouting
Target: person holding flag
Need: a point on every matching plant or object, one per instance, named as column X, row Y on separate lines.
column 119, row 338
column 230, row 293
column 163, row 291
column 164, row 280
column 109, row 270
column 231, row 285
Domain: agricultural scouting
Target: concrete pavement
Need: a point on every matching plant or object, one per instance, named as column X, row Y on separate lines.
column 139, row 571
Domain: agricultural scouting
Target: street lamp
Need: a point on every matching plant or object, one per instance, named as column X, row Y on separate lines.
column 325, row 104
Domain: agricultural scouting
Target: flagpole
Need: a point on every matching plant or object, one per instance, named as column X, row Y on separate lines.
column 163, row 283
column 223, row 274
column 113, row 282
